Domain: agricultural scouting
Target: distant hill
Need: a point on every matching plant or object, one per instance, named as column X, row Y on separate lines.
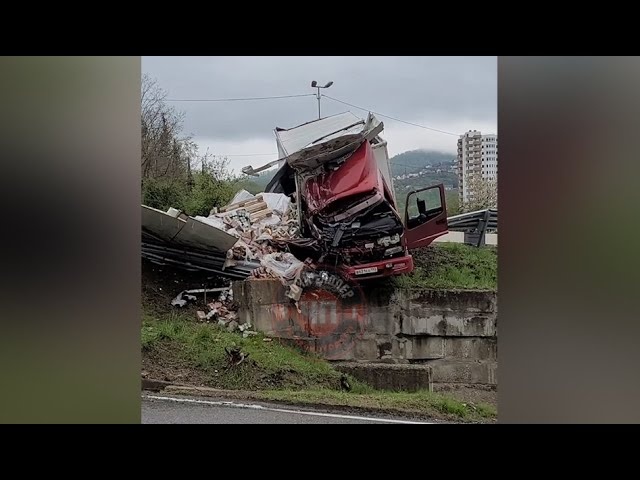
column 416, row 168
column 414, row 161
column 257, row 184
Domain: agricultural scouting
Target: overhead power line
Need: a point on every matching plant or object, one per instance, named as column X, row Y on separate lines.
column 244, row 154
column 276, row 97
column 244, row 99
column 390, row 117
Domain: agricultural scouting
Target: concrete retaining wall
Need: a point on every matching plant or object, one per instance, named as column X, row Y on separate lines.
column 453, row 332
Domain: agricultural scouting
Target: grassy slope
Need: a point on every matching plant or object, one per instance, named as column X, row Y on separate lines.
column 454, row 266
column 182, row 347
column 176, row 348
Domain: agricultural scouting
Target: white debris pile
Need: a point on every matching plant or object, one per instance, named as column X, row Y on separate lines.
column 257, row 221
column 187, row 296
column 222, row 311
column 285, row 267
column 280, row 265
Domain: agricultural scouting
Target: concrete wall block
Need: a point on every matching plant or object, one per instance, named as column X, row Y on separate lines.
column 264, row 291
column 340, row 347
column 444, row 324
column 452, row 300
column 482, row 348
column 385, row 345
column 268, row 292
column 424, row 348
column 240, row 292
column 380, row 320
column 379, row 296
column 455, row 333
column 461, row 371
column 399, row 347
column 281, row 320
column 245, row 316
column 390, row 377
column 366, row 349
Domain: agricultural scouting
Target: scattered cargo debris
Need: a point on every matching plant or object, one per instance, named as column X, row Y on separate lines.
column 331, row 202
column 337, row 170
column 182, row 298
column 188, row 295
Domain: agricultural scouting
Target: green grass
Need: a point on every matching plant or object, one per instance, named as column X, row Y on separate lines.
column 453, row 266
column 176, row 348
column 185, row 344
column 423, row 403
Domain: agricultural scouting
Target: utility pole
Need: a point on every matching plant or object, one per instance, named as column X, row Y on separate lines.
column 315, row 85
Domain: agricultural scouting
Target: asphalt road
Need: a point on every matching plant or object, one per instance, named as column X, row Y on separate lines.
column 164, row 409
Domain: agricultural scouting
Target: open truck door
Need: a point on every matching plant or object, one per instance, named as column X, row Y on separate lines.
column 425, row 216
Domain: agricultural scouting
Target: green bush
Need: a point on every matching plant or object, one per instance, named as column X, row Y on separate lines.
column 162, row 193
column 208, row 192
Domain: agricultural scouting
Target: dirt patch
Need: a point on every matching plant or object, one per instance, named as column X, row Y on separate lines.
column 430, row 258
column 166, row 361
column 160, row 285
column 162, row 363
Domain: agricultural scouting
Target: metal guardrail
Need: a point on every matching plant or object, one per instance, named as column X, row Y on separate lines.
column 193, row 259
column 475, row 225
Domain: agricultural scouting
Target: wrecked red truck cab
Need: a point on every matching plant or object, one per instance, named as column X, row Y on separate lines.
column 341, row 183
column 355, row 214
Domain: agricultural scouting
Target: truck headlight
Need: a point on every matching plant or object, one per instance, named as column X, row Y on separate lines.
column 392, row 250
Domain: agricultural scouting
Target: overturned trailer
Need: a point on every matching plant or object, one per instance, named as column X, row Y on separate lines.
column 336, row 170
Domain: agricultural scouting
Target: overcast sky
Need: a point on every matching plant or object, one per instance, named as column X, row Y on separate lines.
column 454, row 94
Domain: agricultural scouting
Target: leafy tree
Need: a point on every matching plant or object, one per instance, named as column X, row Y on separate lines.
column 213, row 187
column 483, row 194
column 169, row 158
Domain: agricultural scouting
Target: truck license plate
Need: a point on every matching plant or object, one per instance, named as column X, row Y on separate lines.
column 363, row 271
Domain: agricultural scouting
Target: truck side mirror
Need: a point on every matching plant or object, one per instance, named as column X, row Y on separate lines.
column 422, row 206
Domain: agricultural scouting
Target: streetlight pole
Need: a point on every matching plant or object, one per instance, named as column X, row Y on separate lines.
column 315, row 85
column 318, row 97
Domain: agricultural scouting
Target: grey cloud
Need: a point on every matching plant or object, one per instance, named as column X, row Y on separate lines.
column 433, row 90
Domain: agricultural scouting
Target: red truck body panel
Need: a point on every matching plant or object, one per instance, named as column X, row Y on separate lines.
column 346, row 202
column 383, row 268
column 357, row 176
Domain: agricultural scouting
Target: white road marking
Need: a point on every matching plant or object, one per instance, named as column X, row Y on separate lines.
column 281, row 410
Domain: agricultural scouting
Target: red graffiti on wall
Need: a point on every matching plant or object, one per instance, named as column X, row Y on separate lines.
column 328, row 320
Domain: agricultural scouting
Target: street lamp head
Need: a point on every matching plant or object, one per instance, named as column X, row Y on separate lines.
column 318, row 95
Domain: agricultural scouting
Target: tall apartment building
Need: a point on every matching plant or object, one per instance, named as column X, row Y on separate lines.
column 477, row 155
